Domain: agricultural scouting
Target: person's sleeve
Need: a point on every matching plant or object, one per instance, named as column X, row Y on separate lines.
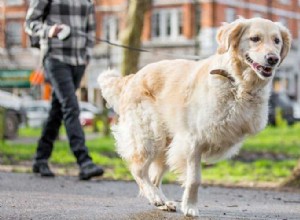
column 91, row 32
column 34, row 25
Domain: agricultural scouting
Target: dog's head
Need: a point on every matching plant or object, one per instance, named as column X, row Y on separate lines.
column 258, row 43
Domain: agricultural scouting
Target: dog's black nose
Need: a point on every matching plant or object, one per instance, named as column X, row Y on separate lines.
column 272, row 59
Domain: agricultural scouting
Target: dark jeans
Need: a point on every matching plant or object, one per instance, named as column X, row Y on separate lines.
column 65, row 79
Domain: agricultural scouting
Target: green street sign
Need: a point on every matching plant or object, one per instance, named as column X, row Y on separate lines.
column 15, row 78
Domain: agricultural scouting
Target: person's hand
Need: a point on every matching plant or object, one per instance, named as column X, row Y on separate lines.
column 54, row 30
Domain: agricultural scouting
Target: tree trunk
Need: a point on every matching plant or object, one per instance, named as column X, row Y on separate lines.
column 294, row 179
column 131, row 36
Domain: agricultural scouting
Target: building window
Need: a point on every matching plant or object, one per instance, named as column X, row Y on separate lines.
column 284, row 21
column 257, row 15
column 110, row 28
column 198, row 20
column 285, row 2
column 230, row 14
column 13, row 34
column 155, row 25
column 167, row 23
column 14, row 2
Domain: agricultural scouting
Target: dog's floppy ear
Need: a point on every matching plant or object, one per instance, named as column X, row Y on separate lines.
column 229, row 35
column 286, row 41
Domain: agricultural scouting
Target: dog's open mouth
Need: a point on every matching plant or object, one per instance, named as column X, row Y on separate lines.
column 263, row 70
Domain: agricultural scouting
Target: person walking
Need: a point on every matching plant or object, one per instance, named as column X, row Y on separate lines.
column 66, row 29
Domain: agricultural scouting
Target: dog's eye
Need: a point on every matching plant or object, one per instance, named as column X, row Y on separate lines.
column 255, row 39
column 276, row 40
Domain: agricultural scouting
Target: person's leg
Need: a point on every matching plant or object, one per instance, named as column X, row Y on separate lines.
column 87, row 168
column 65, row 79
column 61, row 78
column 50, row 131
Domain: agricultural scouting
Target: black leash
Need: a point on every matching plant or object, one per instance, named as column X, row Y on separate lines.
column 122, row 46
column 190, row 57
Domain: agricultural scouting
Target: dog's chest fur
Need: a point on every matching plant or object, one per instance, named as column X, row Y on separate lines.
column 224, row 118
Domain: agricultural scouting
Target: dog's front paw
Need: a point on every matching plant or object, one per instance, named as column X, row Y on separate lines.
column 190, row 210
column 169, row 206
column 156, row 201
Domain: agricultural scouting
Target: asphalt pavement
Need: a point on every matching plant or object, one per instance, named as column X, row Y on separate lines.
column 26, row 196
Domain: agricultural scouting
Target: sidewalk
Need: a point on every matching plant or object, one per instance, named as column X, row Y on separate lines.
column 26, row 196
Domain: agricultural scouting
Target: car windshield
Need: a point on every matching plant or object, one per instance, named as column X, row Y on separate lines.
column 86, row 106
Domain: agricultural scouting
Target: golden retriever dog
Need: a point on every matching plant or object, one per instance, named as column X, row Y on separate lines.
column 175, row 114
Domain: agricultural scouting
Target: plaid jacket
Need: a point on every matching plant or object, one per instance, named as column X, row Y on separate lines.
column 78, row 14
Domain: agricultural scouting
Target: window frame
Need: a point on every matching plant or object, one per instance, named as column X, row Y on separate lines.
column 110, row 27
column 167, row 24
column 14, row 35
column 14, row 2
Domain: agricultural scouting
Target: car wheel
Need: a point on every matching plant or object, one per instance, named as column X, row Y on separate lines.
column 272, row 121
column 290, row 121
column 11, row 125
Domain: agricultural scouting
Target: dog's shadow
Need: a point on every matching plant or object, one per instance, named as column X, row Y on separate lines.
column 158, row 214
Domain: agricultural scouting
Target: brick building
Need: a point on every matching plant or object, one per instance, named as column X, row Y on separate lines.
column 172, row 29
column 13, row 40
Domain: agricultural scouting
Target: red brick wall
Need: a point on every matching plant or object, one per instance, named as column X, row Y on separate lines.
column 146, row 35
column 211, row 16
column 188, row 20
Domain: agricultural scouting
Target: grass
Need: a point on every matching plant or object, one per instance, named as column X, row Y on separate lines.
column 283, row 140
column 260, row 170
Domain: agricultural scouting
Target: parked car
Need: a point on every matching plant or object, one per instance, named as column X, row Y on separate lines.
column 285, row 104
column 15, row 114
column 88, row 112
column 296, row 108
column 37, row 112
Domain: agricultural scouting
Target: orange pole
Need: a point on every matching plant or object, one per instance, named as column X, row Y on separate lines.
column 47, row 91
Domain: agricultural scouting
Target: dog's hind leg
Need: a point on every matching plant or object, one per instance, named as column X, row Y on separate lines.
column 157, row 169
column 139, row 136
column 139, row 168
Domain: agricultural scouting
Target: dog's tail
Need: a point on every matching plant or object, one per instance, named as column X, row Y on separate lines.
column 110, row 82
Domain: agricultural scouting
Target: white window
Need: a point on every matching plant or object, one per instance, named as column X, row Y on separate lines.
column 230, row 14
column 283, row 21
column 14, row 2
column 110, row 28
column 167, row 23
column 14, row 34
column 285, row 2
column 257, row 15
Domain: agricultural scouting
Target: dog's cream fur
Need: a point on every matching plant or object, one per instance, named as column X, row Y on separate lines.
column 176, row 113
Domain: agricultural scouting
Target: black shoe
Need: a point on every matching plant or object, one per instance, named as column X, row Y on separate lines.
column 43, row 169
column 90, row 170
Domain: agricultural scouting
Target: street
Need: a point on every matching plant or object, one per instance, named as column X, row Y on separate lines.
column 26, row 196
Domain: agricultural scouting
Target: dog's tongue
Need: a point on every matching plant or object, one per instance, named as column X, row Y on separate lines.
column 255, row 65
column 260, row 67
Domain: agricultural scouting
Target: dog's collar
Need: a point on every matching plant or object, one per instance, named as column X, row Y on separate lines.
column 222, row 73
